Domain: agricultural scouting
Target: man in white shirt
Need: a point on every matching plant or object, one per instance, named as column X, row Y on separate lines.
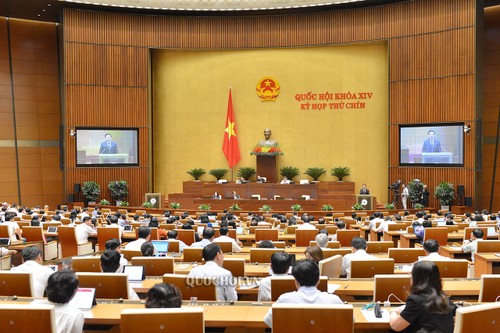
column 306, row 274
column 172, row 236
column 61, row 288
column 114, row 224
column 32, row 263
column 470, row 246
column 84, row 230
column 378, row 217
column 214, row 258
column 384, row 225
column 358, row 245
column 431, row 248
column 144, row 234
column 114, row 244
column 13, row 228
column 306, row 225
column 340, row 226
column 110, row 263
column 225, row 238
column 208, row 237
column 280, row 264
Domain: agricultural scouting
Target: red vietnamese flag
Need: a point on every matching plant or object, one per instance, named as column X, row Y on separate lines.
column 230, row 145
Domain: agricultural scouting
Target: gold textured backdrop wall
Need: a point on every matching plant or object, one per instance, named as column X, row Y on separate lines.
column 431, row 48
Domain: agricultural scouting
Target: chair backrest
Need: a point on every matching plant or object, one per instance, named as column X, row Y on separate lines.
column 368, row 268
column 106, row 233
column 154, row 234
column 331, row 267
column 440, row 234
column 203, row 289
column 488, row 246
column 468, row 230
column 266, row 234
column 395, row 284
column 406, row 255
column 23, row 317
column 286, row 284
column 226, row 247
column 457, row 268
column 107, row 285
column 193, row 254
column 174, row 245
column 290, row 229
column 477, row 318
column 129, row 254
column 262, row 255
column 330, row 245
column 67, row 239
column 304, row 236
column 312, row 318
column 490, row 288
column 179, row 320
column 185, row 235
column 16, row 284
column 345, row 236
column 232, row 233
column 33, row 234
column 235, row 265
column 252, row 229
column 155, row 266
column 396, row 226
column 378, row 247
column 86, row 264
column 277, row 244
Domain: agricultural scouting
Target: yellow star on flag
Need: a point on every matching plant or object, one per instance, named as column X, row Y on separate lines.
column 230, row 129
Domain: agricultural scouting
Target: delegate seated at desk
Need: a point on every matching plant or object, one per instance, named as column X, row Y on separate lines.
column 108, row 146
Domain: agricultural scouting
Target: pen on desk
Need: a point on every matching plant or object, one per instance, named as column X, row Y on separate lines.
column 345, row 287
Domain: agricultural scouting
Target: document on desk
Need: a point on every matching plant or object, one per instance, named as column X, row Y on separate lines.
column 370, row 316
column 331, row 288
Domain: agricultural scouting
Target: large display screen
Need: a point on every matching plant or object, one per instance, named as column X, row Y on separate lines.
column 431, row 144
column 107, row 146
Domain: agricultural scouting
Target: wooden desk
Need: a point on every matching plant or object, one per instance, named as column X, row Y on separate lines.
column 409, row 240
column 394, row 236
column 250, row 238
column 454, row 252
column 486, row 263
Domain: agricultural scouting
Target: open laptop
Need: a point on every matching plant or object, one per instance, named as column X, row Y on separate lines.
column 240, row 230
column 491, row 231
column 441, row 223
column 161, row 246
column 135, row 273
column 127, row 227
column 52, row 229
column 84, row 298
column 4, row 241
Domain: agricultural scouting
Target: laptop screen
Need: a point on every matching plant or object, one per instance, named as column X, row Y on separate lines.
column 127, row 228
column 239, row 230
column 161, row 246
column 52, row 229
column 84, row 298
column 4, row 241
column 491, row 231
column 135, row 273
column 441, row 223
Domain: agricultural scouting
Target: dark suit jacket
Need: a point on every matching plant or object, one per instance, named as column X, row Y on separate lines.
column 426, row 147
column 104, row 149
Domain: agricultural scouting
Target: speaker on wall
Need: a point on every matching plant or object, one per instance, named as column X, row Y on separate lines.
column 461, row 189
column 76, row 188
column 468, row 201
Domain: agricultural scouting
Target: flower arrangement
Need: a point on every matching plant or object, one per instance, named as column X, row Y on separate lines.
column 296, row 208
column 175, row 205
column 327, row 207
column 204, row 207
column 235, row 207
column 104, row 202
column 265, row 208
column 358, row 206
column 147, row 204
column 389, row 206
column 266, row 150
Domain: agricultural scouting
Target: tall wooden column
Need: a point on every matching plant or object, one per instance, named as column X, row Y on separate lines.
column 267, row 166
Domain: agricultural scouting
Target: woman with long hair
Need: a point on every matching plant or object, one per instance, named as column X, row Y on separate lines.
column 427, row 308
column 314, row 253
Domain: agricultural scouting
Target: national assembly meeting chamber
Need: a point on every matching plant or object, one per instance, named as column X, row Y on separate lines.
column 249, row 166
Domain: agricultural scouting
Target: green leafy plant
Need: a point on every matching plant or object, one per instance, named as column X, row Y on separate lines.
column 265, row 208
column 296, row 208
column 289, row 172
column 418, row 206
column 445, row 193
column 118, row 189
column 175, row 205
column 104, row 202
column 147, row 204
column 358, row 206
column 415, row 190
column 315, row 173
column 234, row 207
column 389, row 206
column 196, row 173
column 123, row 203
column 204, row 207
column 91, row 191
column 327, row 207
column 246, row 172
column 340, row 172
column 218, row 173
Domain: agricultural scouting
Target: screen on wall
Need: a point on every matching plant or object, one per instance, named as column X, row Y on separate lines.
column 431, row 144
column 107, row 146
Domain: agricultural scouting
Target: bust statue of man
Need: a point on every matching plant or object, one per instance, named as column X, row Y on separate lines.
column 267, row 141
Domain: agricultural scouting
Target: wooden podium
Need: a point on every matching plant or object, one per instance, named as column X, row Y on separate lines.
column 267, row 166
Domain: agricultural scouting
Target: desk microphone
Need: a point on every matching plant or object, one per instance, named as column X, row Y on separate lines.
column 387, row 302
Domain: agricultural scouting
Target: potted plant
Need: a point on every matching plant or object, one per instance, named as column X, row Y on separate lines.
column 415, row 191
column 358, row 206
column 265, row 208
column 119, row 190
column 418, row 206
column 122, row 203
column 175, row 205
column 235, row 207
column 340, row 172
column 104, row 202
column 445, row 193
column 218, row 173
column 91, row 191
column 196, row 173
column 147, row 204
column 315, row 173
column 327, row 207
column 389, row 206
column 204, row 207
column 296, row 208
column 289, row 172
column 246, row 172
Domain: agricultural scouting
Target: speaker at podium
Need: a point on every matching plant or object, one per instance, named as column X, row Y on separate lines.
column 156, row 199
column 365, row 200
